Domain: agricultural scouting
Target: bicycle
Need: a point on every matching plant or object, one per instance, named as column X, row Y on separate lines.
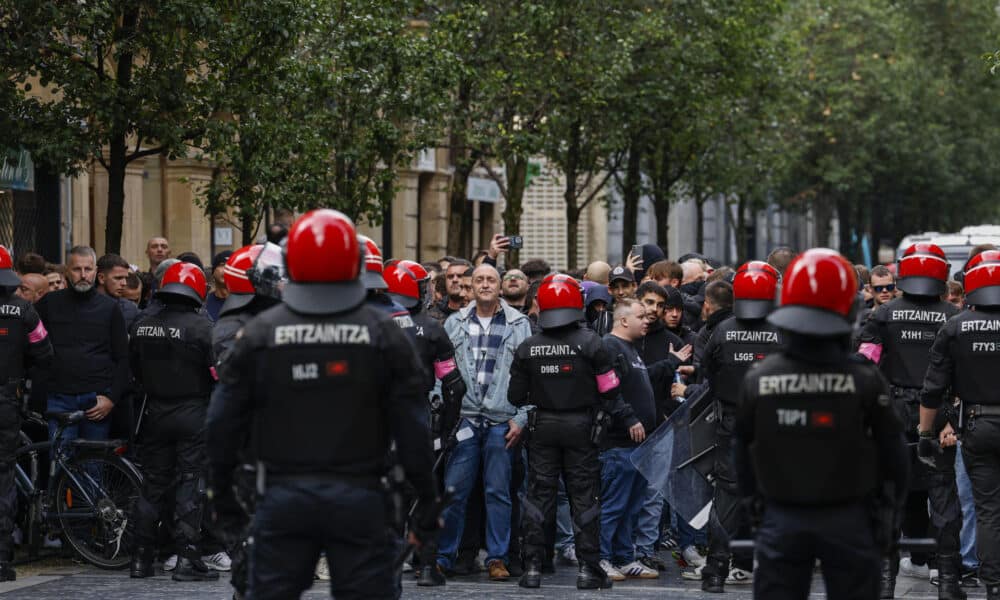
column 90, row 493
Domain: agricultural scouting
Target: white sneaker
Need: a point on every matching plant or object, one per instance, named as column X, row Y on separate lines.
column 407, row 567
column 906, row 567
column 637, row 570
column 171, row 563
column 612, row 573
column 693, row 574
column 322, row 569
column 692, row 557
column 739, row 577
column 219, row 561
column 17, row 536
column 567, row 555
column 935, row 577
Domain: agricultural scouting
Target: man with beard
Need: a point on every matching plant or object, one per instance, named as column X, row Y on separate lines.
column 514, row 290
column 88, row 334
column 457, row 298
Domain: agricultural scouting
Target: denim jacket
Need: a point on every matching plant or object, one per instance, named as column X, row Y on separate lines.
column 494, row 406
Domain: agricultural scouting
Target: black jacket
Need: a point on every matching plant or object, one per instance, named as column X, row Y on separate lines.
column 639, row 386
column 90, row 341
column 653, row 348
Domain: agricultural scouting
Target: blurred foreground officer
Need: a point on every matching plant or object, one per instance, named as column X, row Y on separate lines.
column 737, row 344
column 24, row 344
column 898, row 337
column 171, row 357
column 569, row 377
column 964, row 358
column 816, row 434
column 324, row 382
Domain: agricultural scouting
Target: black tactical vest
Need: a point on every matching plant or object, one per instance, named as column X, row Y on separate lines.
column 812, row 436
column 319, row 383
column 173, row 348
column 907, row 329
column 741, row 344
column 13, row 338
column 563, row 369
column 976, row 355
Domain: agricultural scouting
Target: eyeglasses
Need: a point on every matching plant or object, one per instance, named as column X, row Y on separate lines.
column 884, row 288
column 509, row 277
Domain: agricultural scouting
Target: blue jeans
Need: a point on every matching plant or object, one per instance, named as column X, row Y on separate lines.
column 86, row 429
column 486, row 449
column 647, row 525
column 622, row 494
column 687, row 535
column 968, row 536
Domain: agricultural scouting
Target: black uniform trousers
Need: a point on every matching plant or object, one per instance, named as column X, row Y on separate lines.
column 299, row 517
column 981, row 454
column 560, row 446
column 172, row 451
column 790, row 539
column 10, row 428
column 728, row 518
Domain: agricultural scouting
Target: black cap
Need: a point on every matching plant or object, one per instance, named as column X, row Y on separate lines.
column 621, row 274
column 674, row 297
column 220, row 259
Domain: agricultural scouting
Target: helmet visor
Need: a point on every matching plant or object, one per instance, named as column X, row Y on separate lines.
column 268, row 272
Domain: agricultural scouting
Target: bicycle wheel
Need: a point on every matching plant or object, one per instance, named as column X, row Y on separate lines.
column 94, row 510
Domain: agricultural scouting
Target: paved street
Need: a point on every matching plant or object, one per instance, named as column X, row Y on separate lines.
column 80, row 582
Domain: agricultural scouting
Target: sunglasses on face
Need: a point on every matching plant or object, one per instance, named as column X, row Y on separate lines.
column 509, row 277
column 884, row 288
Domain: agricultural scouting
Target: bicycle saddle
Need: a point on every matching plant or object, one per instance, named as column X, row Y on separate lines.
column 66, row 418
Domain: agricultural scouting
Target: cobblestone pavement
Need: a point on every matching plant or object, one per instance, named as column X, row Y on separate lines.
column 68, row 580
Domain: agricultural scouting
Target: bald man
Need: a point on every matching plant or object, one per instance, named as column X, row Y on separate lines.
column 158, row 250
column 598, row 271
column 33, row 287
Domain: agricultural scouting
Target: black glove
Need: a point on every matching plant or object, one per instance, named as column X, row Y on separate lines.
column 927, row 450
column 426, row 521
column 227, row 515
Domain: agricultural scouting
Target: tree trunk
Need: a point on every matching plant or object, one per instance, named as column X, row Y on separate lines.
column 517, row 171
column 631, row 195
column 846, row 228
column 699, row 225
column 457, row 205
column 741, row 230
column 661, row 209
column 386, row 196
column 462, row 160
column 116, row 196
column 571, row 197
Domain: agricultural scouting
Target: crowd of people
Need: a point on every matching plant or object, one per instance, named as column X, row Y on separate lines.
column 539, row 387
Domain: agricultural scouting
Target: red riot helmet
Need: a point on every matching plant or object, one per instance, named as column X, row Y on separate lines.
column 982, row 279
column 240, row 288
column 923, row 270
column 818, row 294
column 8, row 278
column 560, row 301
column 323, row 258
column 755, row 286
column 372, row 275
column 403, row 285
column 184, row 279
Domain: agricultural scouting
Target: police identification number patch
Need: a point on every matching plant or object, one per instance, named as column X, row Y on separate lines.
column 986, row 347
column 814, row 419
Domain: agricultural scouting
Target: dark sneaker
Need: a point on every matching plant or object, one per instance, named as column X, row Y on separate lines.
column 431, row 576
column 654, row 562
column 193, row 569
column 7, row 572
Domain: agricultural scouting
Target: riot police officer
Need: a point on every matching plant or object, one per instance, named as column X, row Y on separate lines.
column 254, row 276
column 568, row 375
column 324, row 382
column 898, row 336
column 964, row 359
column 170, row 353
column 816, row 433
column 24, row 345
column 737, row 344
column 406, row 281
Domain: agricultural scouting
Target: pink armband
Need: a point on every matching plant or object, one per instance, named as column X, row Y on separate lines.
column 872, row 352
column 215, row 374
column 443, row 367
column 607, row 381
column 38, row 334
